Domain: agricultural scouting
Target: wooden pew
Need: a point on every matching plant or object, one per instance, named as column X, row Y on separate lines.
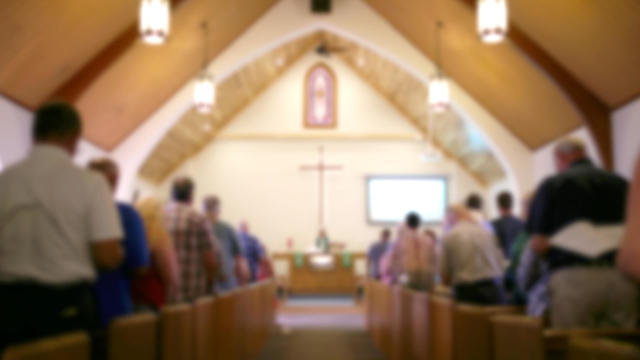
column 204, row 318
column 420, row 319
column 402, row 302
column 589, row 348
column 441, row 327
column 472, row 339
column 385, row 294
column 176, row 332
column 71, row 346
column 525, row 338
column 224, row 327
column 133, row 337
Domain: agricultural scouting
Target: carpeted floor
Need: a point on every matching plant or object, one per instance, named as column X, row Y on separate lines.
column 320, row 328
column 321, row 344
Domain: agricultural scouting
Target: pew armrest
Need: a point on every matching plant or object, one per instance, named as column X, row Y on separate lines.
column 517, row 337
column 556, row 341
column 581, row 348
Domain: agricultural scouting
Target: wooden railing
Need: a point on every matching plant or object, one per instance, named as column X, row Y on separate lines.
column 233, row 326
column 408, row 325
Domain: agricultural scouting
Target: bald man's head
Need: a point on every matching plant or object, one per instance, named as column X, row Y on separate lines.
column 568, row 151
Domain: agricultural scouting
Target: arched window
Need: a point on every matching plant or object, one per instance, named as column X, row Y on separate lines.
column 320, row 97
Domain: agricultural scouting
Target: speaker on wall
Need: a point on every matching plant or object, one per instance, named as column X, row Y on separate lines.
column 320, row 6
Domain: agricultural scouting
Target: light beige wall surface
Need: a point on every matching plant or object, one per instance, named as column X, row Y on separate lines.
column 260, row 179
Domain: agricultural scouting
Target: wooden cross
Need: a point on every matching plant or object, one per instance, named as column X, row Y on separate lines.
column 320, row 167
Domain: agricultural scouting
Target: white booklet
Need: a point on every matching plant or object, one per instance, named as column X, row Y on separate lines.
column 589, row 240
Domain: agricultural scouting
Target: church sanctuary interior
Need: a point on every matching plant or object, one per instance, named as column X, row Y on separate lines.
column 319, row 179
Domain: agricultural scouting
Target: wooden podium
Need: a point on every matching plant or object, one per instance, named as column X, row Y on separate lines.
column 307, row 279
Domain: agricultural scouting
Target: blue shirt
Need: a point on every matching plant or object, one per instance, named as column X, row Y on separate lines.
column 252, row 251
column 375, row 254
column 113, row 287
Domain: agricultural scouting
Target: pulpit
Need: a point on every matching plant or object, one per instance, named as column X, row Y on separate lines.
column 322, row 274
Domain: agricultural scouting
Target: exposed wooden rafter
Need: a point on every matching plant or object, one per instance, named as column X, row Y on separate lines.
column 81, row 80
column 595, row 113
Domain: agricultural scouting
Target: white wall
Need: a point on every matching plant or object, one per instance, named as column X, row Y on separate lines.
column 289, row 19
column 15, row 132
column 543, row 164
column 260, row 180
column 15, row 136
column 626, row 137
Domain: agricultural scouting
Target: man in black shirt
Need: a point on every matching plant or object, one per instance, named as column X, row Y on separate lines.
column 584, row 292
column 507, row 227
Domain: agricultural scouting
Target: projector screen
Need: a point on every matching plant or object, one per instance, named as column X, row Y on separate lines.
column 390, row 199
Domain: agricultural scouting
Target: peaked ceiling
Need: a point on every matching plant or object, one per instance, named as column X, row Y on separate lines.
column 566, row 63
column 88, row 52
column 451, row 134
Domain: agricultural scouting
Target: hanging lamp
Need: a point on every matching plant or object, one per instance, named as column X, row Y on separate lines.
column 154, row 21
column 492, row 20
column 204, row 91
column 438, row 85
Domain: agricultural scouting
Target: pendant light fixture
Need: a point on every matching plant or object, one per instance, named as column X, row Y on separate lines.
column 438, row 86
column 204, row 92
column 492, row 21
column 154, row 21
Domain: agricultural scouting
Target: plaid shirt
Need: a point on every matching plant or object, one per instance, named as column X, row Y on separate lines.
column 192, row 238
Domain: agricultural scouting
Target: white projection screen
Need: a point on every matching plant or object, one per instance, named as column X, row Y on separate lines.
column 391, row 198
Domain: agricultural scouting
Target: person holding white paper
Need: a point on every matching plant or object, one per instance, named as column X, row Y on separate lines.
column 630, row 250
column 586, row 289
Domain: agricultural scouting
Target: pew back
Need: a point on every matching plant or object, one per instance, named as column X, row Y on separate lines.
column 441, row 327
column 204, row 318
column 420, row 336
column 133, row 337
column 225, row 327
column 176, row 332
column 472, row 330
column 72, row 346
column 401, row 323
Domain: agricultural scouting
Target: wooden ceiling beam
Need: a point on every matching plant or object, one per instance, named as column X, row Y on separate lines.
column 596, row 115
column 415, row 122
column 81, row 80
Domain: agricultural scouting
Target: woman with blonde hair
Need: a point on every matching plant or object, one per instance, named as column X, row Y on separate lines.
column 158, row 285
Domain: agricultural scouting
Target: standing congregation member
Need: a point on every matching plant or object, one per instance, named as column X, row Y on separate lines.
column 194, row 243
column 57, row 225
column 585, row 292
column 113, row 287
column 231, row 254
column 375, row 253
column 630, row 251
column 413, row 262
column 471, row 260
column 475, row 207
column 161, row 282
column 507, row 227
column 252, row 250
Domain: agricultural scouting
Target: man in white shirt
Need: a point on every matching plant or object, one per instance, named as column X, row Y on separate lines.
column 471, row 260
column 57, row 225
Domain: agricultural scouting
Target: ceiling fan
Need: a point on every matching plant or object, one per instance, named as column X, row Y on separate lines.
column 325, row 49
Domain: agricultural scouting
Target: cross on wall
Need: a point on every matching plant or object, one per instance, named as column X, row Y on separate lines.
column 321, row 168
